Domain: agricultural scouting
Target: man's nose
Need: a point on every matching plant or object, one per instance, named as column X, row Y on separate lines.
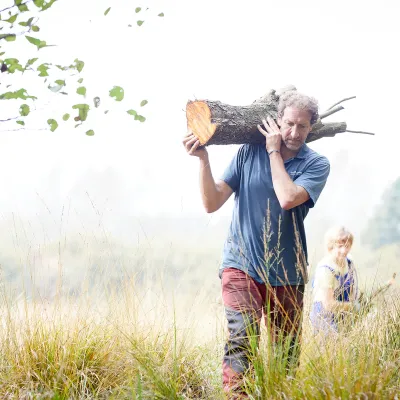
column 295, row 132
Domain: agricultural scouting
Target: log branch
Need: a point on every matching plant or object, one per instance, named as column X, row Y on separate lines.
column 364, row 133
column 331, row 111
column 341, row 101
column 213, row 122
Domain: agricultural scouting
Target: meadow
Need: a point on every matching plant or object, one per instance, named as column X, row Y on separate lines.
column 87, row 317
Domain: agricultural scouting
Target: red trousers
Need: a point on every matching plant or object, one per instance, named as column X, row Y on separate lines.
column 245, row 301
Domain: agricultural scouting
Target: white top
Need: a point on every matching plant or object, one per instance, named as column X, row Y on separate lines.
column 325, row 277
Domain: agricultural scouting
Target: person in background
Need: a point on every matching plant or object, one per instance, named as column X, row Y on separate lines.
column 335, row 285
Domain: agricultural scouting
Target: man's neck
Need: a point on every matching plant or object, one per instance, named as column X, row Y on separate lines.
column 287, row 153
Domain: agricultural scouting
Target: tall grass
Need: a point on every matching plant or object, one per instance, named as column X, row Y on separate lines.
column 137, row 343
column 126, row 332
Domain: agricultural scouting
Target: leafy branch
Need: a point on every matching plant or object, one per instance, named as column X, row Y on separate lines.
column 55, row 76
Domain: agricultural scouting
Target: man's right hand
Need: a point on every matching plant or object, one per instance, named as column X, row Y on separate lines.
column 191, row 144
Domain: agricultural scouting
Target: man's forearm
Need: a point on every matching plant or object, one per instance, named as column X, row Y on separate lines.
column 284, row 187
column 208, row 188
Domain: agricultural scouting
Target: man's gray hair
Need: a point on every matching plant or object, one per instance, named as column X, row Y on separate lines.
column 292, row 98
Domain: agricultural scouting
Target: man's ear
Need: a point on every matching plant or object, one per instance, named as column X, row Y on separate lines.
column 279, row 121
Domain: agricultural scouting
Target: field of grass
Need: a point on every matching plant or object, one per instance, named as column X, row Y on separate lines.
column 86, row 317
column 147, row 342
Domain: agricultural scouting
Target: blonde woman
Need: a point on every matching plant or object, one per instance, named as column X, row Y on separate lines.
column 335, row 283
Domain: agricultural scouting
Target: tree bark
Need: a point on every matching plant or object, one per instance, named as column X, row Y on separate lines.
column 216, row 123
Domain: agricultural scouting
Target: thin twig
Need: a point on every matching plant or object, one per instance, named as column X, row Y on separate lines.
column 341, row 101
column 5, row 35
column 14, row 5
column 9, row 119
column 331, row 111
column 23, row 129
column 365, row 133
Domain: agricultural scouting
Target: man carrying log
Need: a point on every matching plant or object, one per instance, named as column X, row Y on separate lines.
column 264, row 266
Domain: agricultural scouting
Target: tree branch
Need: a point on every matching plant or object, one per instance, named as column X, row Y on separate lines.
column 9, row 119
column 23, row 129
column 5, row 35
column 365, row 133
column 14, row 5
column 331, row 111
column 341, row 101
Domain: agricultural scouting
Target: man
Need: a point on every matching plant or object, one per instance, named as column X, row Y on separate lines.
column 264, row 266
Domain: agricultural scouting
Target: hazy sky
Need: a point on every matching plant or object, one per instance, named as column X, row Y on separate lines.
column 232, row 51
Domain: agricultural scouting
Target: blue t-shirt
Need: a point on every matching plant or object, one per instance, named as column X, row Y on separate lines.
column 264, row 240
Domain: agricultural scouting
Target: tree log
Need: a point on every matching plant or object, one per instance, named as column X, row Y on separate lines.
column 213, row 122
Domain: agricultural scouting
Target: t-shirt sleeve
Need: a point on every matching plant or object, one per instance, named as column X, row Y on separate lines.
column 233, row 172
column 314, row 178
column 324, row 278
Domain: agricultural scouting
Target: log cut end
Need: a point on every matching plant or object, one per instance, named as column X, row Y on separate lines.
column 198, row 116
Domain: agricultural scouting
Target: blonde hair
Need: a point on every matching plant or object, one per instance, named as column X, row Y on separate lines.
column 338, row 234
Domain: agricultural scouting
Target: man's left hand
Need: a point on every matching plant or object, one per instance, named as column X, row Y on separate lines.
column 272, row 134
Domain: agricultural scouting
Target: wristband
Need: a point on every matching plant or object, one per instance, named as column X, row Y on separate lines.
column 272, row 151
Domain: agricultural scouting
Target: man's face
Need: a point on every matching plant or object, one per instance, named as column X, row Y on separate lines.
column 295, row 125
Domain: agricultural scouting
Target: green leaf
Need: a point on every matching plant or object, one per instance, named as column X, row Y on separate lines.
column 15, row 67
column 11, row 61
column 31, row 61
column 132, row 112
column 140, row 23
column 37, row 42
column 44, row 5
column 60, row 82
column 20, row 122
column 107, row 11
column 9, row 37
column 90, row 132
column 33, row 40
column 27, row 23
column 137, row 9
column 161, row 14
column 80, row 80
column 24, row 110
column 53, row 124
column 140, row 118
column 79, row 65
column 81, row 90
column 66, row 117
column 143, row 103
column 12, row 19
column 117, row 92
column 35, row 28
column 83, row 111
column 23, row 8
column 42, row 68
column 18, row 94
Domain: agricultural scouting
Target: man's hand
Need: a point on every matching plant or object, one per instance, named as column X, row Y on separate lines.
column 191, row 144
column 272, row 134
